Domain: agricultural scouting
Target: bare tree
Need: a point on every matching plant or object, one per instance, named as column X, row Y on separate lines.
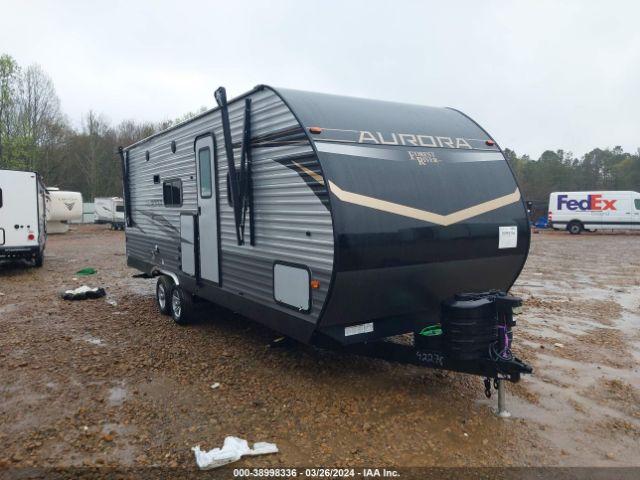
column 39, row 113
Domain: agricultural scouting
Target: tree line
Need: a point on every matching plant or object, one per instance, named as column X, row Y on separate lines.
column 36, row 135
column 599, row 169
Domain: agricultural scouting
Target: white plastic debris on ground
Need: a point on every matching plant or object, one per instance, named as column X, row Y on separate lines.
column 232, row 450
column 80, row 290
column 83, row 292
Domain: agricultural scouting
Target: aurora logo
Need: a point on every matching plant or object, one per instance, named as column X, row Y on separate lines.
column 412, row 139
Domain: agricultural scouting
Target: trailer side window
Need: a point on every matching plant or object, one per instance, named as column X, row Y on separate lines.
column 204, row 163
column 637, row 202
column 172, row 193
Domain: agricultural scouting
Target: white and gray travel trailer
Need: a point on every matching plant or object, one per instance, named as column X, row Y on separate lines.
column 109, row 210
column 63, row 207
column 335, row 220
column 594, row 210
column 23, row 231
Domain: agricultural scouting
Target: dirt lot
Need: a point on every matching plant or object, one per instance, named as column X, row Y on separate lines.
column 111, row 382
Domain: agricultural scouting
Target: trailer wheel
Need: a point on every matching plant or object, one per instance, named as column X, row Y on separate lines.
column 181, row 305
column 38, row 261
column 164, row 288
column 575, row 228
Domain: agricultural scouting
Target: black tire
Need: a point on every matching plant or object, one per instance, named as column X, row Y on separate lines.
column 38, row 261
column 575, row 228
column 181, row 305
column 164, row 287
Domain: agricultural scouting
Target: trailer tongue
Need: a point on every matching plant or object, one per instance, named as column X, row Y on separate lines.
column 474, row 337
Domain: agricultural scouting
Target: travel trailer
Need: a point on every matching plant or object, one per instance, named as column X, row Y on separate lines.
column 335, row 221
column 23, row 232
column 62, row 208
column 594, row 210
column 109, row 210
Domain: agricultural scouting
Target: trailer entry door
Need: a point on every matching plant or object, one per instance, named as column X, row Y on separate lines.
column 207, row 209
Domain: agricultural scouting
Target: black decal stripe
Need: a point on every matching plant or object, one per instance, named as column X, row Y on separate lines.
column 306, row 166
column 160, row 221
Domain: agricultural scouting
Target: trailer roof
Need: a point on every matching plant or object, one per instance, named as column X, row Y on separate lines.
column 345, row 117
column 344, row 114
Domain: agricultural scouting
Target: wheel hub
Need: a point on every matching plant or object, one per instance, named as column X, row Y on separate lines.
column 162, row 296
column 176, row 304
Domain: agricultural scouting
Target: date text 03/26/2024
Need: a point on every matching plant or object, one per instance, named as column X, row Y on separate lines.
column 315, row 473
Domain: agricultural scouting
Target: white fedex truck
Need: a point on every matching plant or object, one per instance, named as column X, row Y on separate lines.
column 23, row 230
column 603, row 210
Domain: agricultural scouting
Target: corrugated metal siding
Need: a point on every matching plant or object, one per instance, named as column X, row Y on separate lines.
column 291, row 222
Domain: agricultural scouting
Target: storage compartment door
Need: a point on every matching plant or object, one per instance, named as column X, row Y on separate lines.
column 291, row 286
column 188, row 243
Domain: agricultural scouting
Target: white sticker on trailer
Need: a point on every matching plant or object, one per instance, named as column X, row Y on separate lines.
column 507, row 237
column 358, row 329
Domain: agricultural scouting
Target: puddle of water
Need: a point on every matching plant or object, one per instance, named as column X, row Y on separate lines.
column 11, row 307
column 93, row 340
column 142, row 286
column 595, row 316
column 117, row 396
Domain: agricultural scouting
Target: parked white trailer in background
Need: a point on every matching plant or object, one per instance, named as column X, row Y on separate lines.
column 110, row 210
column 23, row 231
column 594, row 210
column 63, row 207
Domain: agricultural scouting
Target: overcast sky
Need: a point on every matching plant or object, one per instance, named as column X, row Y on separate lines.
column 535, row 74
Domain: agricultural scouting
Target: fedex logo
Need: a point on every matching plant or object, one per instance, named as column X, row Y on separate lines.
column 592, row 202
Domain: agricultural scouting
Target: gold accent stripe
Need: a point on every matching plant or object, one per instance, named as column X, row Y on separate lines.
column 403, row 210
column 311, row 173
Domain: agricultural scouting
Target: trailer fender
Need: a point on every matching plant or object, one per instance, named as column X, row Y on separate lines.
column 156, row 271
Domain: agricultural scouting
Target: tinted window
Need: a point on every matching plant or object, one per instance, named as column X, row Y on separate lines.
column 172, row 193
column 204, row 160
column 1, row 198
column 637, row 204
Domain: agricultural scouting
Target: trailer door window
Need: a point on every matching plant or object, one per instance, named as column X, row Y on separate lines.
column 172, row 193
column 204, row 160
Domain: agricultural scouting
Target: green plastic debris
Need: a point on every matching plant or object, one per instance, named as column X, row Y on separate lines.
column 431, row 330
column 86, row 271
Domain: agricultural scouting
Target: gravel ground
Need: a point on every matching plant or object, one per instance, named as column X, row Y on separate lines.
column 581, row 331
column 110, row 382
